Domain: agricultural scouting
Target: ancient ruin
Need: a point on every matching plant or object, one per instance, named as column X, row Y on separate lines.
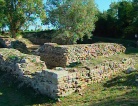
column 62, row 55
column 64, row 79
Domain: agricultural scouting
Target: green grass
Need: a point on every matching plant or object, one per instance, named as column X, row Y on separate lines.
column 132, row 50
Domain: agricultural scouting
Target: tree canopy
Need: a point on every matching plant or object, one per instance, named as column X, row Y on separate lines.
column 120, row 20
column 73, row 18
column 16, row 13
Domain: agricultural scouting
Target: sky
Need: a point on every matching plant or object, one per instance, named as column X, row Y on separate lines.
column 104, row 4
column 101, row 4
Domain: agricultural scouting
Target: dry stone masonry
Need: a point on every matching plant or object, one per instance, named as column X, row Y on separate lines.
column 62, row 55
column 59, row 81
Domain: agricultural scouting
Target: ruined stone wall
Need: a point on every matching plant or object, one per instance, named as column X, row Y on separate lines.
column 39, row 41
column 60, row 81
column 30, row 70
column 63, row 55
column 75, row 80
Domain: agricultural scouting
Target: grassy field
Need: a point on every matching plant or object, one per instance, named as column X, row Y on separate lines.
column 121, row 90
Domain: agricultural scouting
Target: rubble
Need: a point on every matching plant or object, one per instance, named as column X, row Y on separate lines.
column 63, row 55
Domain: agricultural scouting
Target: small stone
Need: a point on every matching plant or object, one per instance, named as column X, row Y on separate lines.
column 77, row 90
column 59, row 68
column 129, row 70
column 1, row 55
column 58, row 100
column 76, row 82
column 23, row 61
column 81, row 94
column 27, row 73
column 87, row 68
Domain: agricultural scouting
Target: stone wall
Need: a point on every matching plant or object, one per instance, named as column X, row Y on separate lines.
column 39, row 38
column 62, row 55
column 75, row 80
column 59, row 81
column 39, row 41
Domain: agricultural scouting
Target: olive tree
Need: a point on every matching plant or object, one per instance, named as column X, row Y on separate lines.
column 73, row 18
column 18, row 12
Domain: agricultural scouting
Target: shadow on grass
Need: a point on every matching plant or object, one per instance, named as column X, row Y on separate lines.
column 127, row 99
column 125, row 82
column 131, row 50
column 11, row 95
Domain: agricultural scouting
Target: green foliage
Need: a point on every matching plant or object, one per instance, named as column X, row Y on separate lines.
column 120, row 20
column 12, row 57
column 72, row 18
column 2, row 15
column 18, row 12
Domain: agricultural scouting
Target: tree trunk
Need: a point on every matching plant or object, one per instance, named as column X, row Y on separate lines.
column 13, row 30
column 13, row 33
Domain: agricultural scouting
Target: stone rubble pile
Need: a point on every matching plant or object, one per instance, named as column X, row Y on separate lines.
column 63, row 55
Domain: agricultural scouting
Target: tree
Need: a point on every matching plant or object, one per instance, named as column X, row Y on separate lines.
column 2, row 16
column 18, row 12
column 135, row 20
column 101, row 24
column 73, row 18
column 121, row 19
column 107, row 22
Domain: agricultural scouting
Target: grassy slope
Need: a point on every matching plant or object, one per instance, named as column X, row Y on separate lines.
column 121, row 90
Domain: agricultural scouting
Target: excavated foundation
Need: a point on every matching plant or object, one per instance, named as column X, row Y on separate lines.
column 62, row 81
